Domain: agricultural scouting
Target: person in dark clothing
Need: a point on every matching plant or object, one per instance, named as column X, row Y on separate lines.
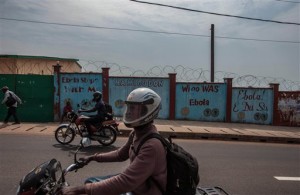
column 12, row 110
column 99, row 117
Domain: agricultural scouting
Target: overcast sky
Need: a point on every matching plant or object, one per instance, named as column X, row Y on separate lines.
column 143, row 50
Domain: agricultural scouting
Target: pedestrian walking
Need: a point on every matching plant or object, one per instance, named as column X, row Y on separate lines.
column 11, row 100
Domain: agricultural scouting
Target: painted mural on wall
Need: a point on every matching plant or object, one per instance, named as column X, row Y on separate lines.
column 78, row 89
column 289, row 108
column 252, row 105
column 205, row 101
column 120, row 87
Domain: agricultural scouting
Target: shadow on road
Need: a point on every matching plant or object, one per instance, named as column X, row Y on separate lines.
column 86, row 151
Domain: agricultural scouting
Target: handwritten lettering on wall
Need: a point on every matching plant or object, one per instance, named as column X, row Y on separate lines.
column 200, row 101
column 75, row 84
column 203, row 89
column 78, row 89
column 252, row 105
column 139, row 82
column 120, row 87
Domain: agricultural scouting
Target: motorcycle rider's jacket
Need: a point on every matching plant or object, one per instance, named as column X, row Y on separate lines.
column 149, row 162
column 101, row 110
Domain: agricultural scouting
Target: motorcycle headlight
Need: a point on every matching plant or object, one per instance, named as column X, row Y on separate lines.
column 41, row 179
column 58, row 173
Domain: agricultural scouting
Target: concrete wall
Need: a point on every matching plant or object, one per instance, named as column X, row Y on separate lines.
column 78, row 88
column 289, row 108
column 183, row 101
column 251, row 105
column 201, row 101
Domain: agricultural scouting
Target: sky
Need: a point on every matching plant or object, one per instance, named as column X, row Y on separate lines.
column 94, row 30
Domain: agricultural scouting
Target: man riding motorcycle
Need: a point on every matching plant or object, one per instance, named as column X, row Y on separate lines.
column 99, row 117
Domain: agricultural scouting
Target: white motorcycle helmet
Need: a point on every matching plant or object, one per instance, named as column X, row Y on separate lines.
column 142, row 107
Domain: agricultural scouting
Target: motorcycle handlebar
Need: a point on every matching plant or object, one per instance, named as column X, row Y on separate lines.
column 77, row 163
column 75, row 167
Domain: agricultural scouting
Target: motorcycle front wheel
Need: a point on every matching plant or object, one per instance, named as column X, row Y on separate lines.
column 109, row 136
column 64, row 135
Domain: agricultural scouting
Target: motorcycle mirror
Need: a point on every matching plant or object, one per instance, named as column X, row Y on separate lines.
column 85, row 142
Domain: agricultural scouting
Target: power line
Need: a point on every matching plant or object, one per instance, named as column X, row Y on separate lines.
column 146, row 31
column 288, row 1
column 102, row 27
column 214, row 13
column 252, row 39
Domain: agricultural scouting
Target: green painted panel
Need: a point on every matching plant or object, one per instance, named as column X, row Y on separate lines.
column 36, row 92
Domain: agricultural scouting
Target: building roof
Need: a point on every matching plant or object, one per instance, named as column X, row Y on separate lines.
column 37, row 57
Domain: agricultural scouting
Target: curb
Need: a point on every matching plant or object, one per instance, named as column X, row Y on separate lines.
column 223, row 137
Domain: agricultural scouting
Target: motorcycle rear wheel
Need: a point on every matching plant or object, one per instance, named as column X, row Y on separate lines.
column 110, row 134
column 64, row 135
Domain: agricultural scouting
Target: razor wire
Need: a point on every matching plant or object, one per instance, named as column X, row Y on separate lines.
column 186, row 74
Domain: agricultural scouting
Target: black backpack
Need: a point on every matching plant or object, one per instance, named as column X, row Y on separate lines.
column 108, row 108
column 182, row 167
column 10, row 100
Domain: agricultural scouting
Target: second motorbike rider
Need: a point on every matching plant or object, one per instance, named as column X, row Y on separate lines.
column 99, row 117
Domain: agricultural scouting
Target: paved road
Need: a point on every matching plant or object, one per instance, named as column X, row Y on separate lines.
column 242, row 168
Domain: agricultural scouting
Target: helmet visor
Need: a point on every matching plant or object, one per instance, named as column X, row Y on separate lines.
column 134, row 112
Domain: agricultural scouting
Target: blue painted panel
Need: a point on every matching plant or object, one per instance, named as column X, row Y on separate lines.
column 252, row 105
column 79, row 89
column 205, row 102
column 120, row 87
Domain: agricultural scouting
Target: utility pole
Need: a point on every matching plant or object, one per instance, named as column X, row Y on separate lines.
column 212, row 54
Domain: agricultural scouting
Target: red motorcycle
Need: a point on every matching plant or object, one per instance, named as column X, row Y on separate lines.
column 105, row 133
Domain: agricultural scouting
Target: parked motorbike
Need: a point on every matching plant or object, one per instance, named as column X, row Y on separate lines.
column 49, row 178
column 106, row 132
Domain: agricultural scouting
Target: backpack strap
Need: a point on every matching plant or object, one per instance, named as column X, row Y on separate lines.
column 150, row 136
column 165, row 144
